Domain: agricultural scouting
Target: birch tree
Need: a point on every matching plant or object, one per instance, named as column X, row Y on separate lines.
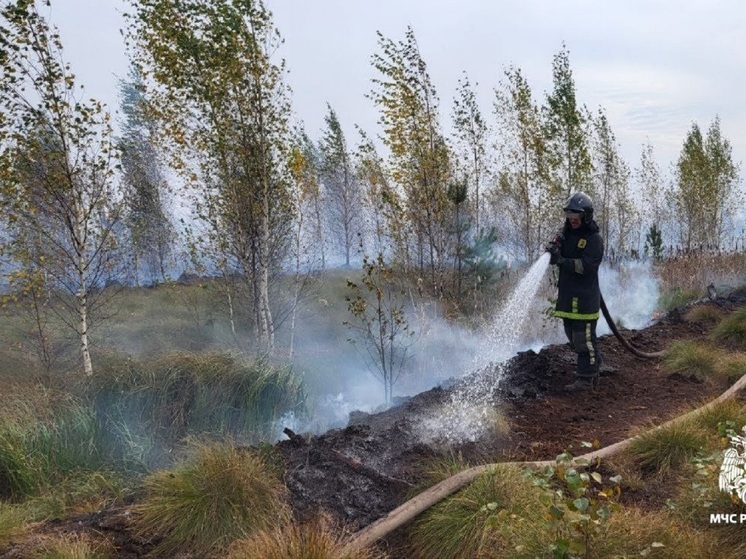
column 420, row 159
column 524, row 195
column 57, row 162
column 471, row 132
column 218, row 93
column 151, row 232
column 343, row 197
column 654, row 219
column 566, row 131
column 613, row 203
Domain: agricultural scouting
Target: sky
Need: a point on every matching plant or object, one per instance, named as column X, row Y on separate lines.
column 654, row 66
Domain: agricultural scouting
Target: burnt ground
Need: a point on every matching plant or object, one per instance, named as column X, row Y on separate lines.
column 359, row 473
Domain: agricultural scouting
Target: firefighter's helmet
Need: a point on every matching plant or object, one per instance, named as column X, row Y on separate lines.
column 580, row 202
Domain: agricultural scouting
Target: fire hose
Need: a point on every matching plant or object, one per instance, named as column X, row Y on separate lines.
column 627, row 345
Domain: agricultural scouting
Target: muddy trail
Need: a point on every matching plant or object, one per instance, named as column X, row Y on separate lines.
column 359, row 473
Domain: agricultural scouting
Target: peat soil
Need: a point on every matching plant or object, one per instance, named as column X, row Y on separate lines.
column 359, row 473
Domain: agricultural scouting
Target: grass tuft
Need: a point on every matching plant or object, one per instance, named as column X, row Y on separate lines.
column 317, row 539
column 692, row 358
column 219, row 495
column 721, row 412
column 663, row 450
column 732, row 330
column 499, row 511
column 704, row 314
column 71, row 546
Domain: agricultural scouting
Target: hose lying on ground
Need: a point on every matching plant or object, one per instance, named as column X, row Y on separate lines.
column 409, row 510
column 625, row 343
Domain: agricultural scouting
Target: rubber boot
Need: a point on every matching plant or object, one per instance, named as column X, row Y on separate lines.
column 582, row 383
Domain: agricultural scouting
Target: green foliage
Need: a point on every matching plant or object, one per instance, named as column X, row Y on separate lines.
column 664, row 450
column 420, row 156
column 706, row 197
column 380, row 323
column 732, row 330
column 677, row 297
column 654, row 243
column 221, row 103
column 565, row 130
column 218, row 495
column 578, row 504
column 147, row 408
column 525, row 193
column 57, row 162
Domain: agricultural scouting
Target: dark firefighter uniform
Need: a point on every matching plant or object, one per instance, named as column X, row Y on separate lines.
column 579, row 296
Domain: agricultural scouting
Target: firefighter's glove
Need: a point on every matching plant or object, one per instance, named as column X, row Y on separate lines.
column 555, row 258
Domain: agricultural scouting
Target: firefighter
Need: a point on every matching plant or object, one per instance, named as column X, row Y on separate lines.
column 577, row 250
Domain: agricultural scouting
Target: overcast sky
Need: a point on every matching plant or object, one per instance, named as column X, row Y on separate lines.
column 655, row 66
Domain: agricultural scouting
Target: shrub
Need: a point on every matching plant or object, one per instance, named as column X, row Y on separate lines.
column 221, row 493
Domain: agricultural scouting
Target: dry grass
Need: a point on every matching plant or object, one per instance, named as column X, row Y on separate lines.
column 704, row 314
column 222, row 493
column 71, row 546
column 695, row 271
column 499, row 511
column 633, row 533
column 317, row 539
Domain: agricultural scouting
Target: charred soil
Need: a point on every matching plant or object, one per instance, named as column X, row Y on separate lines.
column 359, row 473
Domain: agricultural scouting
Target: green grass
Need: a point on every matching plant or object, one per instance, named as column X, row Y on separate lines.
column 220, row 494
column 677, row 297
column 497, row 512
column 147, row 408
column 37, row 454
column 692, row 358
column 732, row 330
column 664, row 450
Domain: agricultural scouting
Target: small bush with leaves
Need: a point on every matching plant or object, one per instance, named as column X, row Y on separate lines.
column 578, row 504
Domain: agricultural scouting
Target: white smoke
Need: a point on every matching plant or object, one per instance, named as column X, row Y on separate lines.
column 631, row 292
